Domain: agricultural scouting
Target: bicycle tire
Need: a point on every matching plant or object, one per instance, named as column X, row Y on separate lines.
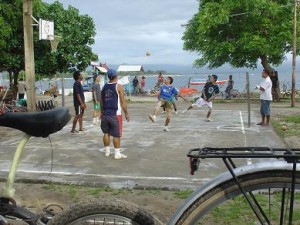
column 105, row 211
column 225, row 191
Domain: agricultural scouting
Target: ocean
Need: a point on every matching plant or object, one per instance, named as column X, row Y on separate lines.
column 180, row 80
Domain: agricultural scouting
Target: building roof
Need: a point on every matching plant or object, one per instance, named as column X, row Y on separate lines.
column 130, row 68
column 101, row 69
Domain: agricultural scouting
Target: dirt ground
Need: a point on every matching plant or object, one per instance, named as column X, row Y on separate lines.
column 162, row 203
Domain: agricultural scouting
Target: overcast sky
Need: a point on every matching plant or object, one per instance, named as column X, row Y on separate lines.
column 127, row 29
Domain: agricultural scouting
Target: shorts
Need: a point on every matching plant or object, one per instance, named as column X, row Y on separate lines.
column 265, row 107
column 78, row 110
column 201, row 102
column 165, row 103
column 97, row 106
column 112, row 125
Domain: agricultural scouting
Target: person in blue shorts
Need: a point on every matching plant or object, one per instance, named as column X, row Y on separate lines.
column 265, row 88
column 112, row 102
column 165, row 96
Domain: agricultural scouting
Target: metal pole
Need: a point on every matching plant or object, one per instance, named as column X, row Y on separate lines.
column 29, row 54
column 63, row 90
column 294, row 55
column 248, row 98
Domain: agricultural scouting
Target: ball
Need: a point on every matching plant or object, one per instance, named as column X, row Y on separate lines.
column 284, row 127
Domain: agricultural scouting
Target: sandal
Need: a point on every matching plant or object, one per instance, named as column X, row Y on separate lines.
column 74, row 131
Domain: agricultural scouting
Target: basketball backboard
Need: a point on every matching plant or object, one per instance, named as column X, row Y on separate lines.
column 46, row 30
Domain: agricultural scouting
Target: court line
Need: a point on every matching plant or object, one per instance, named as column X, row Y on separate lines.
column 111, row 176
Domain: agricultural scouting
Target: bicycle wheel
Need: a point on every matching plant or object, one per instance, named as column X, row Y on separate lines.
column 107, row 211
column 225, row 204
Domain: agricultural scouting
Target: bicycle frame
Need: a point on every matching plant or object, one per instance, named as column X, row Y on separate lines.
column 291, row 157
column 8, row 190
column 31, row 125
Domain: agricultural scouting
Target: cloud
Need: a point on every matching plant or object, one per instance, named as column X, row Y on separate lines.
column 127, row 29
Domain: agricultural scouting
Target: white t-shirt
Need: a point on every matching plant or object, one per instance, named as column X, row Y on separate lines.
column 267, row 85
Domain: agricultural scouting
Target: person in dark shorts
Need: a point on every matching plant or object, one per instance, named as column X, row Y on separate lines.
column 112, row 103
column 79, row 102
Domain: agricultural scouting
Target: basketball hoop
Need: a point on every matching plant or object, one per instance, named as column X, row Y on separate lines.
column 54, row 40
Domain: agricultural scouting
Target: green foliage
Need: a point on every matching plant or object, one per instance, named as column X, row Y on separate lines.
column 240, row 32
column 74, row 50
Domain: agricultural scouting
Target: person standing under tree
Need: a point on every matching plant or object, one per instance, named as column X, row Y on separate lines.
column 229, row 87
column 79, row 102
column 209, row 92
column 275, row 86
column 265, row 88
column 112, row 103
column 96, row 98
column 21, row 89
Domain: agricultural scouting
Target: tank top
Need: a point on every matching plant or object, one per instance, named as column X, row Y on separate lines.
column 110, row 99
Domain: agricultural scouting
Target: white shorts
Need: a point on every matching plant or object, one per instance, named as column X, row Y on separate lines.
column 201, row 102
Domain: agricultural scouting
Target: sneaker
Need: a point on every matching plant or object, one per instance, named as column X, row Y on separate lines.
column 184, row 111
column 208, row 120
column 166, row 129
column 120, row 156
column 152, row 118
column 107, row 153
column 176, row 112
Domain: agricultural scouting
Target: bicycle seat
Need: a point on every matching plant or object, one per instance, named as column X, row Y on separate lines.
column 38, row 124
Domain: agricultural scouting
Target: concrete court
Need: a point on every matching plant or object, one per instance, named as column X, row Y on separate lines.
column 155, row 158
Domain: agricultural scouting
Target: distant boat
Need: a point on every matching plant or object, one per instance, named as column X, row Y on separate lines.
column 220, row 82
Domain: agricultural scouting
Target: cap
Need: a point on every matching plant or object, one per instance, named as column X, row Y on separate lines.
column 111, row 73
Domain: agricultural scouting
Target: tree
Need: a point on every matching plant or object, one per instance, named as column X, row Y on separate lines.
column 77, row 35
column 74, row 51
column 241, row 32
column 11, row 39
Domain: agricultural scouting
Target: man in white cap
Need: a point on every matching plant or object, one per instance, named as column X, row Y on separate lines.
column 112, row 103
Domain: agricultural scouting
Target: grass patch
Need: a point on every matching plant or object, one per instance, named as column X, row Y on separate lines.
column 182, row 194
column 287, row 125
column 238, row 212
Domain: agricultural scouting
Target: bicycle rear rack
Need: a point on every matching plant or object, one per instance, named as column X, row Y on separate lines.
column 290, row 155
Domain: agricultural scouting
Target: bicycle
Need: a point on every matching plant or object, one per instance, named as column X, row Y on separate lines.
column 43, row 105
column 259, row 184
column 15, row 106
column 42, row 124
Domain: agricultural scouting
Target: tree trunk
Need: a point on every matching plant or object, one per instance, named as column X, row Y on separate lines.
column 265, row 63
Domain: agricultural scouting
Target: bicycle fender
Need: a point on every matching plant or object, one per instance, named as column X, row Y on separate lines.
column 226, row 176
